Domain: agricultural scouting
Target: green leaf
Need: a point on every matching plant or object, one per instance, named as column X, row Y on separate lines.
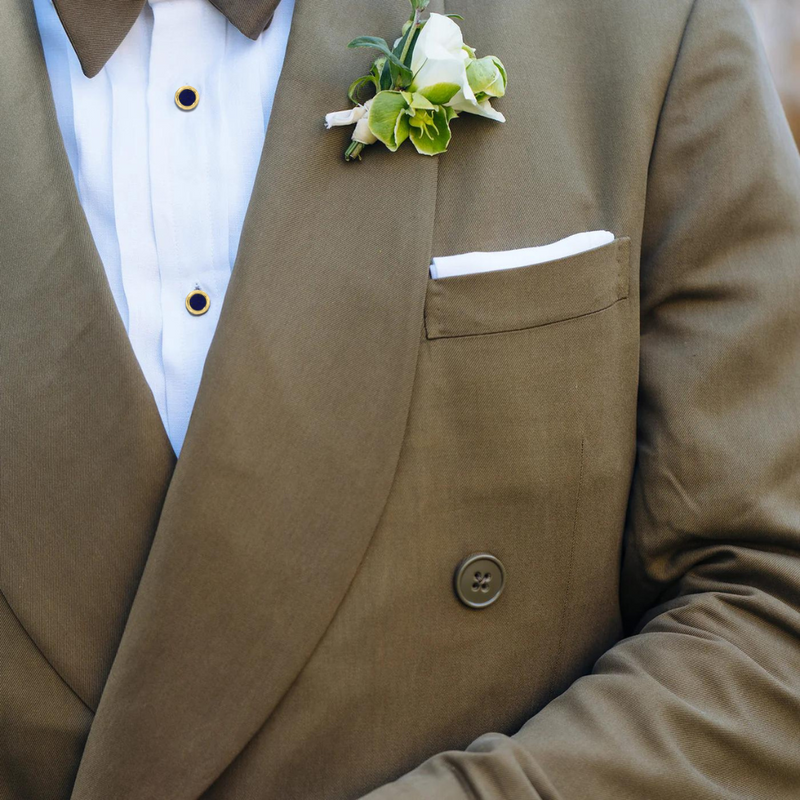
column 356, row 85
column 455, row 16
column 440, row 93
column 404, row 50
column 419, row 5
column 410, row 54
column 433, row 135
column 371, row 41
column 401, row 75
column 397, row 68
column 384, row 111
column 398, row 50
column 386, row 75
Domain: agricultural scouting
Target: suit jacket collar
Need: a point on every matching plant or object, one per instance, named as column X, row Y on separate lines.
column 86, row 460
column 294, row 440
column 97, row 27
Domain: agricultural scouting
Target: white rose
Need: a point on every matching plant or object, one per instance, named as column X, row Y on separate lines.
column 439, row 64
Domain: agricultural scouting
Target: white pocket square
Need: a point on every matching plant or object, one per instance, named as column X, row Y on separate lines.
column 473, row 263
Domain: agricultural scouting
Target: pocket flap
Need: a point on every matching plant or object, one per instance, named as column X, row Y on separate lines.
column 526, row 297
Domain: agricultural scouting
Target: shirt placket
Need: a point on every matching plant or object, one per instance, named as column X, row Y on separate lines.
column 190, row 215
column 141, row 278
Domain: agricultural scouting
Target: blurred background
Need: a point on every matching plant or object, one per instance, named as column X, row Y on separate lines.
column 779, row 21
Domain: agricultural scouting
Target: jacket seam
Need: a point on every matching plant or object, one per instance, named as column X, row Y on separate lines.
column 41, row 653
column 563, row 320
column 670, row 82
column 562, row 628
column 634, row 535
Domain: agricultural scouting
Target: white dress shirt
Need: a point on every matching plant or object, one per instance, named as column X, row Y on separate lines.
column 164, row 190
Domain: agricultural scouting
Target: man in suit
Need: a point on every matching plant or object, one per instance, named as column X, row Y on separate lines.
column 530, row 533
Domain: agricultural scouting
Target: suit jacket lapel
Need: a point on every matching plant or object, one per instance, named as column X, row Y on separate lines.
column 86, row 461
column 294, row 440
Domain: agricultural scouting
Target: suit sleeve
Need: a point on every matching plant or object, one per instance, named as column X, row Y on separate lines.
column 702, row 699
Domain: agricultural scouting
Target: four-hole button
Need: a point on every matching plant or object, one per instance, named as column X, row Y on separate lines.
column 480, row 580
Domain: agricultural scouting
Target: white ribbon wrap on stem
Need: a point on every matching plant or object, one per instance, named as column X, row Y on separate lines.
column 358, row 116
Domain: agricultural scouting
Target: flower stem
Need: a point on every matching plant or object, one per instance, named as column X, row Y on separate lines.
column 354, row 151
column 411, row 31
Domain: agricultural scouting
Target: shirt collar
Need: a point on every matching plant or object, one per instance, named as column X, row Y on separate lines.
column 97, row 27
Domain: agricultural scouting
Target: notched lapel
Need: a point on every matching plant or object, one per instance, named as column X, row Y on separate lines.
column 294, row 440
column 85, row 459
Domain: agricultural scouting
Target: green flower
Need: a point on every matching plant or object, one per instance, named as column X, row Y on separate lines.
column 487, row 77
column 396, row 116
column 387, row 118
column 430, row 129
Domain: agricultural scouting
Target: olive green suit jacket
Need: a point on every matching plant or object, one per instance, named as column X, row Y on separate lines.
column 273, row 615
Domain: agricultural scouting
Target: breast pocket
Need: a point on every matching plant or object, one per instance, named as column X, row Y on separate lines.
column 528, row 297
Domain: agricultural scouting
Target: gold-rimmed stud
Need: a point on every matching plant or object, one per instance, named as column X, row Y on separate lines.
column 197, row 302
column 187, row 98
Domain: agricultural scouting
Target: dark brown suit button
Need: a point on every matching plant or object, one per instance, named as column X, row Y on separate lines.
column 480, row 580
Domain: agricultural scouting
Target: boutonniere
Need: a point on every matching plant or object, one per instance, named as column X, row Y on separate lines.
column 420, row 85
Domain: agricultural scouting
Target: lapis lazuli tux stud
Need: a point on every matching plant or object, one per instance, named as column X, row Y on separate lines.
column 197, row 302
column 187, row 98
